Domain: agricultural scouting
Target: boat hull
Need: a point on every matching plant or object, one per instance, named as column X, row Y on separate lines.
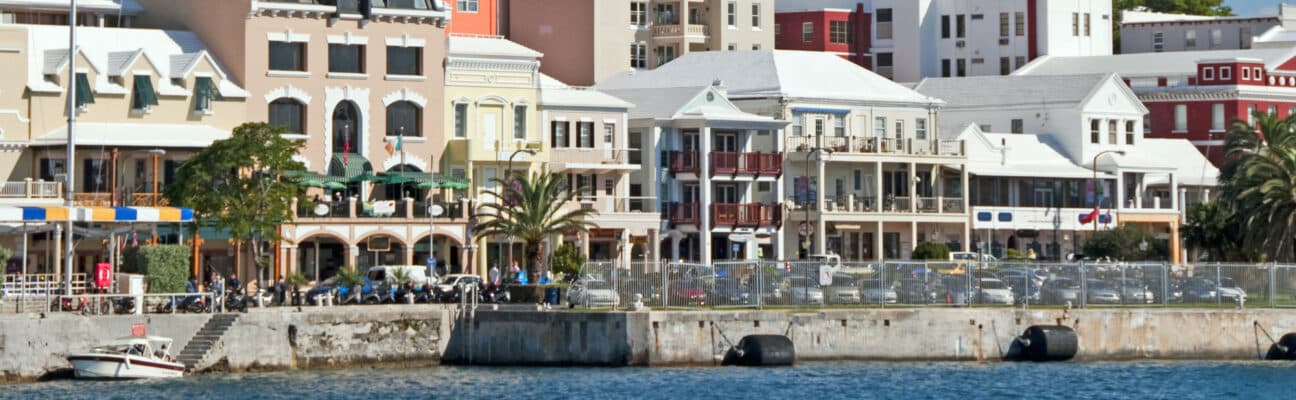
column 109, row 366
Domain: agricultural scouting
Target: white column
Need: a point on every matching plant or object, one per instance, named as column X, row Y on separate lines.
column 704, row 184
column 1174, row 192
column 1119, row 200
column 877, row 243
column 913, row 237
column 877, row 183
column 777, row 240
column 913, row 187
column 821, row 185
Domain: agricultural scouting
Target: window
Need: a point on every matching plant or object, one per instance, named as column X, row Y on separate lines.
column 945, row 68
column 1158, row 41
column 1251, row 111
column 609, row 133
column 819, row 127
column 286, row 56
column 962, row 67
column 1004, row 23
column 1208, row 74
column 798, row 122
column 920, row 129
column 638, row 55
column 899, row 129
column 884, row 60
column 778, row 35
column 1111, row 131
column 1018, row 126
column 519, row 122
column 883, row 17
column 733, row 14
column 945, row 27
column 1217, row 38
column 84, row 95
column 665, row 54
column 837, row 32
column 143, row 96
column 1226, row 73
column 50, row 167
column 1190, row 39
column 807, row 32
column 764, row 186
column 1217, row 117
column 1086, row 25
column 960, row 30
column 839, row 126
column 1129, row 132
column 585, row 130
column 467, row 6
column 1246, row 74
column 1005, row 66
column 636, row 148
column 1019, row 24
column 461, row 120
column 755, row 46
column 287, row 113
column 879, row 127
column 346, row 58
column 1180, row 118
column 733, row 47
column 1019, row 62
column 609, row 185
column 1257, row 74
column 756, row 15
column 1094, row 130
column 558, row 134
column 204, row 94
column 404, row 60
column 404, row 119
column 94, row 175
column 639, row 13
column 1273, row 111
column 858, row 177
column 1075, row 24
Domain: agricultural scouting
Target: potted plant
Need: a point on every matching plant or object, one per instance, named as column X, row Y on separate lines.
column 348, row 278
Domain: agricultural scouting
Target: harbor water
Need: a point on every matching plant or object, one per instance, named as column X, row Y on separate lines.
column 819, row 381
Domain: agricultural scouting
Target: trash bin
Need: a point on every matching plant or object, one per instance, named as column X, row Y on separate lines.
column 551, row 295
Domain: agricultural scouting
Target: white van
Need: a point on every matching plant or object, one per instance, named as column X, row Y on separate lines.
column 417, row 273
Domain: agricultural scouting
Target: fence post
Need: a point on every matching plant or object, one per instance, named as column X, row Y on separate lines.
column 1122, row 282
column 1084, row 287
column 666, row 271
column 882, row 285
column 1165, row 284
column 1273, row 284
column 1219, row 297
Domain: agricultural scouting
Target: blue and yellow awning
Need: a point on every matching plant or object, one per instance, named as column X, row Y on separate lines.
column 95, row 214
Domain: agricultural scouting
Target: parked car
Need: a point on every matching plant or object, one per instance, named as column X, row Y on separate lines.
column 1229, row 291
column 685, row 292
column 379, row 274
column 592, row 293
column 1060, row 291
column 843, row 290
column 1200, row 290
column 450, row 283
column 920, row 291
column 771, row 291
column 993, row 291
column 321, row 290
column 730, row 292
column 627, row 288
column 1134, row 291
column 1023, row 287
column 805, row 290
column 873, row 291
column 1100, row 292
column 957, row 290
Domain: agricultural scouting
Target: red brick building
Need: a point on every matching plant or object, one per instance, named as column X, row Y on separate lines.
column 840, row 31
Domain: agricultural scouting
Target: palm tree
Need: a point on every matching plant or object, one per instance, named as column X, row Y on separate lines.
column 531, row 209
column 1260, row 184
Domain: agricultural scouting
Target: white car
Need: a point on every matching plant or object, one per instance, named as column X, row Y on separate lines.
column 592, row 293
column 449, row 283
column 379, row 274
column 994, row 291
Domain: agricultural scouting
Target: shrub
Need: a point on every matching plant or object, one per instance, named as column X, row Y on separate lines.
column 1014, row 255
column 567, row 260
column 931, row 251
column 165, row 267
column 347, row 277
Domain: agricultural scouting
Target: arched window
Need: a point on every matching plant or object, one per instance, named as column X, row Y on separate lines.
column 404, row 119
column 289, row 114
column 346, row 128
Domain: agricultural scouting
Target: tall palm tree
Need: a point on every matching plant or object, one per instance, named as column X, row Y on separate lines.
column 531, row 209
column 1260, row 184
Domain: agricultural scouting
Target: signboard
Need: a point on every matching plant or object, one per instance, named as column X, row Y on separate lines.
column 825, row 275
column 383, row 208
column 103, row 275
column 379, row 243
column 139, row 329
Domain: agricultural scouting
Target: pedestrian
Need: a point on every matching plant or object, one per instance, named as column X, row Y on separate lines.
column 494, row 275
column 234, row 284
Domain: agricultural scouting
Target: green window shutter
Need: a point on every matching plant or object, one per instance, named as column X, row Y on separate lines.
column 205, row 92
column 83, row 94
column 144, row 95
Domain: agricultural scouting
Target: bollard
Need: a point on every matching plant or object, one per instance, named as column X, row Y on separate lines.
column 260, row 300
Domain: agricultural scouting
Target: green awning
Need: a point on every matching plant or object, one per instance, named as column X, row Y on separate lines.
column 331, row 185
column 445, row 182
column 403, row 177
column 83, row 94
column 204, row 93
column 144, row 95
column 355, row 168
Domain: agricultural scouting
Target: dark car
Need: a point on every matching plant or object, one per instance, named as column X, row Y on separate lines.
column 320, row 291
column 687, row 293
column 730, row 292
column 920, row 291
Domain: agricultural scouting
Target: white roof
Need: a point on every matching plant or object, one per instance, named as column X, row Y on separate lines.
column 1174, row 63
column 128, row 7
column 1018, row 155
column 555, row 93
column 1178, row 156
column 772, row 73
column 1277, row 36
column 688, row 103
column 488, row 46
column 1010, row 91
column 135, row 135
column 111, row 50
column 1140, row 17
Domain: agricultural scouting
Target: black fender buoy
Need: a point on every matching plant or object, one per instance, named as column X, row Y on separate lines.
column 1285, row 349
column 1046, row 343
column 761, row 351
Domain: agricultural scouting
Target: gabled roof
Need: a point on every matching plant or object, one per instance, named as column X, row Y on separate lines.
column 488, row 46
column 701, row 102
column 555, row 93
column 127, row 7
column 1013, row 91
column 771, row 74
column 1139, row 65
column 1018, row 155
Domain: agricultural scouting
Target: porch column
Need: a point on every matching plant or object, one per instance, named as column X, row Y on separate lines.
column 1174, row 191
column 353, row 253
column 913, row 238
column 877, row 183
column 877, row 243
column 1175, row 246
column 967, row 237
column 821, row 187
column 675, row 246
column 966, row 189
column 409, row 253
column 913, row 187
column 653, row 252
column 704, row 183
column 777, row 240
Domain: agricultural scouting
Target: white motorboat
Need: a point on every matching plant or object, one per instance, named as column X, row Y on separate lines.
column 132, row 357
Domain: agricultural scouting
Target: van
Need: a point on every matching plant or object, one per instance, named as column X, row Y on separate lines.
column 417, row 273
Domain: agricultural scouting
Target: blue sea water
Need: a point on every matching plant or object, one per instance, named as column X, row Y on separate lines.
column 807, row 381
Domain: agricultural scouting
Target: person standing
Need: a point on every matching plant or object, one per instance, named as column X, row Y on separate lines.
column 494, row 275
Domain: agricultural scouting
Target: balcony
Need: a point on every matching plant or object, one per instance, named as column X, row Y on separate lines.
column 746, row 215
column 878, row 146
column 682, row 162
column 410, row 211
column 676, row 30
column 29, row 189
column 683, row 214
column 852, row 204
column 759, row 164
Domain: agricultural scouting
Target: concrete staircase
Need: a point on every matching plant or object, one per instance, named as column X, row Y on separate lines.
column 201, row 345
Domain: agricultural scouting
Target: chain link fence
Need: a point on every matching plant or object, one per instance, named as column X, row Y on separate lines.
column 761, row 284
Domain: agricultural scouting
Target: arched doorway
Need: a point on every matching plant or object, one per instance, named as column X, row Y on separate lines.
column 319, row 257
column 346, row 128
column 379, row 249
column 446, row 250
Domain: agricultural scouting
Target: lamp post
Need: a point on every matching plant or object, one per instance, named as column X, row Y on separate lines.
column 70, row 252
column 818, row 151
column 508, row 171
column 1097, row 185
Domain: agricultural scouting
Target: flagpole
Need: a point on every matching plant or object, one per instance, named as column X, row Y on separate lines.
column 69, row 253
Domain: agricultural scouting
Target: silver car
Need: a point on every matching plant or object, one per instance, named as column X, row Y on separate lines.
column 805, row 290
column 874, row 292
column 592, row 293
column 843, row 290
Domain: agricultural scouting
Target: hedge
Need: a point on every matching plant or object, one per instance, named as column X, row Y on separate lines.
column 165, row 267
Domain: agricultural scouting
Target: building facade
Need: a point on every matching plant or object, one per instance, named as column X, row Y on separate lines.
column 477, row 17
column 101, row 13
column 1151, row 32
column 840, row 31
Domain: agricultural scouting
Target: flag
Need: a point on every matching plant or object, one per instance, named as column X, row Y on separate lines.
column 390, row 149
column 135, row 239
column 346, row 148
column 400, row 142
column 1090, row 217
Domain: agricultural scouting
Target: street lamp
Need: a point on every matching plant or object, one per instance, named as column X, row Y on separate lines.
column 508, row 171
column 819, row 151
column 1097, row 187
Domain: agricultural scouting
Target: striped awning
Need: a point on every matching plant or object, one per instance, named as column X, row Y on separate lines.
column 95, row 214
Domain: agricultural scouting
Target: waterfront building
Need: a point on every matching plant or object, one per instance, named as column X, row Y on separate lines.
column 1046, row 151
column 1194, row 95
column 363, row 89
column 477, row 17
column 1143, row 31
column 587, row 41
column 146, row 101
column 101, row 13
column 798, row 138
column 909, row 40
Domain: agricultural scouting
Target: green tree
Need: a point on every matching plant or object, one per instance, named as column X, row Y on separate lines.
column 1210, row 232
column 532, row 209
column 1259, row 180
column 1191, row 7
column 239, row 185
column 165, row 267
column 1123, row 243
column 568, row 260
column 931, row 251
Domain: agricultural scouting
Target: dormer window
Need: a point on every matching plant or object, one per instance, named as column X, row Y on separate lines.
column 143, row 98
column 84, row 96
column 1208, row 74
column 204, row 94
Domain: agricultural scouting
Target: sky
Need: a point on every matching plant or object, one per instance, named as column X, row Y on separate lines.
column 1250, row 8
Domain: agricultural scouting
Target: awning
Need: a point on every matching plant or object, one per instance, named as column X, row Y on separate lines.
column 83, row 94
column 135, row 134
column 445, row 182
column 95, row 214
column 350, row 166
column 206, row 92
column 144, row 95
column 403, row 177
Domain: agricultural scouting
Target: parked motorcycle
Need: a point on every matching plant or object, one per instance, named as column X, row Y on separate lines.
column 495, row 294
column 193, row 304
column 119, row 305
column 79, row 304
column 236, row 301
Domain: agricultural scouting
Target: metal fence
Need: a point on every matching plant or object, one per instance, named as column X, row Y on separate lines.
column 824, row 284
